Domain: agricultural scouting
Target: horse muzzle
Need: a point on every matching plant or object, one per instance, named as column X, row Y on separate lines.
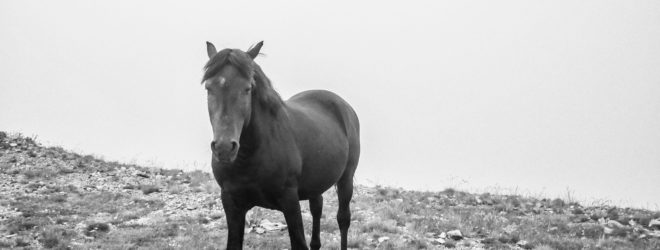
column 225, row 150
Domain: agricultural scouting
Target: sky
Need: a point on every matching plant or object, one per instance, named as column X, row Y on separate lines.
column 552, row 98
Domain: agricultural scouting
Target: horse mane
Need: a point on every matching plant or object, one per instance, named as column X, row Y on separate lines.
column 264, row 93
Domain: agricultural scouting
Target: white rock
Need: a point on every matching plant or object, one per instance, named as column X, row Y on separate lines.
column 615, row 224
column 13, row 144
column 522, row 243
column 441, row 241
column 654, row 223
column 384, row 238
column 608, row 230
column 272, row 226
column 443, row 235
column 455, row 234
column 655, row 234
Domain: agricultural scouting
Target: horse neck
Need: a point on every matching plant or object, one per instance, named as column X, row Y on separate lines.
column 268, row 119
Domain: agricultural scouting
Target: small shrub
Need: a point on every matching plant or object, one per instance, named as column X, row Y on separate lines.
column 31, row 173
column 17, row 225
column 5, row 243
column 449, row 191
column 388, row 226
column 592, row 232
column 54, row 237
column 148, row 189
column 558, row 205
column 619, row 232
column 449, row 243
column 21, row 242
column 354, row 243
column 642, row 219
column 59, row 198
column 211, row 187
column 94, row 229
column 613, row 213
column 198, row 177
column 416, row 243
column 175, row 189
column 514, row 201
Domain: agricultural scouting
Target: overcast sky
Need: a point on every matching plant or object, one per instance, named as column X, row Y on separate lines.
column 544, row 97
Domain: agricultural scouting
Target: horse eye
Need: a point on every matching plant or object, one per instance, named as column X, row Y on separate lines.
column 247, row 90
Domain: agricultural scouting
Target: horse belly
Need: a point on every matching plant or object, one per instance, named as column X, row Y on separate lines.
column 323, row 167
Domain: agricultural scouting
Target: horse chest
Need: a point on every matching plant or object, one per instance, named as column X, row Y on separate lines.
column 256, row 185
column 249, row 194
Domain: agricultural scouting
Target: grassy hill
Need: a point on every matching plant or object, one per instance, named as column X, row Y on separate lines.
column 54, row 198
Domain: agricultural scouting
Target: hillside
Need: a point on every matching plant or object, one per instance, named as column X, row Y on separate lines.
column 54, row 198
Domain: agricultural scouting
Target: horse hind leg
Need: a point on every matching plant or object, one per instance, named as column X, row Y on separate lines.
column 344, row 195
column 345, row 183
column 316, row 207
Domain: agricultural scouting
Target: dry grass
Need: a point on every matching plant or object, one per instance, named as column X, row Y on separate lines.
column 132, row 207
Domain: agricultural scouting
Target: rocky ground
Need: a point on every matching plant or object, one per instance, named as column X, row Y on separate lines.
column 54, row 198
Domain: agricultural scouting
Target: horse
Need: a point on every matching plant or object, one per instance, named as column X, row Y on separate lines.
column 272, row 153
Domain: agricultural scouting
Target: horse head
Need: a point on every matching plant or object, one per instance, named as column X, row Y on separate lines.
column 230, row 82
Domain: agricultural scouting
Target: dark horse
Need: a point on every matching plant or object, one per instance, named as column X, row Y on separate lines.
column 272, row 153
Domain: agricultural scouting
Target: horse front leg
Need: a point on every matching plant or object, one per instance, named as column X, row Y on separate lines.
column 290, row 207
column 235, row 222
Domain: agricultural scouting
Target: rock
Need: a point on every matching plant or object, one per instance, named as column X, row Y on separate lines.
column 259, row 230
column 13, row 144
column 455, row 234
column 272, row 226
column 524, row 244
column 654, row 234
column 439, row 241
column 654, row 224
column 615, row 224
column 488, row 241
column 384, row 238
column 443, row 235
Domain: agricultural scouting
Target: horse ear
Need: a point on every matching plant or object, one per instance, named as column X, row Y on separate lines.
column 210, row 49
column 254, row 50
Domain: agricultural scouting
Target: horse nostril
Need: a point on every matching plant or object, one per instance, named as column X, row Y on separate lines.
column 212, row 145
column 234, row 146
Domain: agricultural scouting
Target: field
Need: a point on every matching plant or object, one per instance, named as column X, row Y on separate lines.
column 56, row 199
